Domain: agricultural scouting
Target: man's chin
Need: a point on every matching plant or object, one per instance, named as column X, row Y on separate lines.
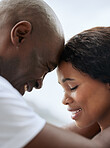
column 21, row 91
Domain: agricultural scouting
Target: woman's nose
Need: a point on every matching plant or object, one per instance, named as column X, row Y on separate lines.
column 67, row 100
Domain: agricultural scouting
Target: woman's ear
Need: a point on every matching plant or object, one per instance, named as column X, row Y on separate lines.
column 20, row 32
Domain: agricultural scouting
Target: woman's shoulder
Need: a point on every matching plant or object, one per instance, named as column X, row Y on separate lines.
column 103, row 138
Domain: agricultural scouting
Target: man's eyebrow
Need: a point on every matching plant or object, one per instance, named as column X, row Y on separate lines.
column 67, row 79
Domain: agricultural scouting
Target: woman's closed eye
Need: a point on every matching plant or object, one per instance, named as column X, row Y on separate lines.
column 74, row 88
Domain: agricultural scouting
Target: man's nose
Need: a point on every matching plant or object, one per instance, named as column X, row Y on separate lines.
column 67, row 100
column 39, row 83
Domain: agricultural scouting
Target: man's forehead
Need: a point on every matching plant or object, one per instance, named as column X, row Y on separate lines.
column 49, row 53
column 52, row 66
column 47, row 62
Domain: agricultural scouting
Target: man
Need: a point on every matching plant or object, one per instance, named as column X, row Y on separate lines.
column 31, row 41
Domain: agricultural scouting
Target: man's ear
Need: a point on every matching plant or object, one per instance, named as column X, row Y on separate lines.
column 20, row 32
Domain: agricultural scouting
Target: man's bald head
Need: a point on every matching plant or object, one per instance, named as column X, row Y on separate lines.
column 31, row 43
column 42, row 18
column 35, row 11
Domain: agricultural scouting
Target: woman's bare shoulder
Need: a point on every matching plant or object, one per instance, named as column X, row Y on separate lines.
column 103, row 138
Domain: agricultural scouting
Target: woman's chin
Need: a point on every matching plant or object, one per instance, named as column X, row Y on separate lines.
column 82, row 125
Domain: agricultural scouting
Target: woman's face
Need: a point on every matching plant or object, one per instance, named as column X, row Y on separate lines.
column 87, row 99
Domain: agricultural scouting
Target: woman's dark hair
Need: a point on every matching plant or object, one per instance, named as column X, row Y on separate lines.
column 89, row 52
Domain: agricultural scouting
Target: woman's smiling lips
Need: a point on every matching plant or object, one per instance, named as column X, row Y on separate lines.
column 75, row 112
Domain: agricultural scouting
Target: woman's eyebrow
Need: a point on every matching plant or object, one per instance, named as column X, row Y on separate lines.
column 67, row 79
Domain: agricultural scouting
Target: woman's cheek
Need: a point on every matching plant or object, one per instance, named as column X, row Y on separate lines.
column 79, row 97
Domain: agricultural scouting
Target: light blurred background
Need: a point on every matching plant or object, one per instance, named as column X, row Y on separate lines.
column 75, row 16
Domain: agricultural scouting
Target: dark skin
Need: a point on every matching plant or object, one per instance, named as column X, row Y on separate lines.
column 88, row 132
column 26, row 55
column 20, row 55
column 61, row 138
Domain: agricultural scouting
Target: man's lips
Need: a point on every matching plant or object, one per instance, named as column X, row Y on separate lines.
column 28, row 87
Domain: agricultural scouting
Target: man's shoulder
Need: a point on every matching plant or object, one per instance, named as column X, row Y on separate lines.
column 17, row 118
column 7, row 90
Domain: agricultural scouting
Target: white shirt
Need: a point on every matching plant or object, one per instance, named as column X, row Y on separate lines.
column 19, row 124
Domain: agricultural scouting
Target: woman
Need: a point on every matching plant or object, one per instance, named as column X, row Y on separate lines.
column 84, row 73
